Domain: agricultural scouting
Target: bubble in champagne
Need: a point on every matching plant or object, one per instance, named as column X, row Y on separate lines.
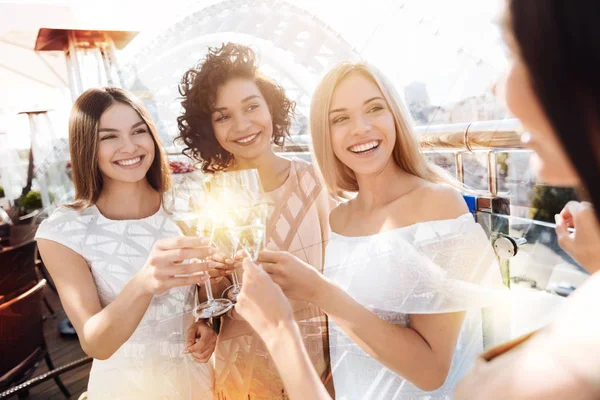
column 250, row 238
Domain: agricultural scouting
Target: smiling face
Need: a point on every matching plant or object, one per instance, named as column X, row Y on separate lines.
column 241, row 119
column 363, row 132
column 126, row 148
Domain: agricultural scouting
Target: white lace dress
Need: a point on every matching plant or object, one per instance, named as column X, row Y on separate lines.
column 430, row 267
column 151, row 364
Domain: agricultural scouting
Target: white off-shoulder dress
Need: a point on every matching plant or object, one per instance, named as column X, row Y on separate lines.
column 151, row 363
column 427, row 268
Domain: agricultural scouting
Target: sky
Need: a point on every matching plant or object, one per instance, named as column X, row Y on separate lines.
column 410, row 40
column 453, row 46
column 419, row 40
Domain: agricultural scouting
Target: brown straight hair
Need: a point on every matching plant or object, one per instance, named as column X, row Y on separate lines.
column 559, row 43
column 83, row 143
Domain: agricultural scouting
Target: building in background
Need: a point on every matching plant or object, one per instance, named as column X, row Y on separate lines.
column 416, row 94
column 485, row 107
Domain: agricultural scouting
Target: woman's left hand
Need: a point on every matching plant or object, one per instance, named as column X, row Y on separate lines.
column 582, row 244
column 200, row 342
column 297, row 279
column 262, row 303
column 223, row 268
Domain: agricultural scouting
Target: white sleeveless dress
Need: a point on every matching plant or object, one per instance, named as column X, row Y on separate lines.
column 426, row 268
column 151, row 364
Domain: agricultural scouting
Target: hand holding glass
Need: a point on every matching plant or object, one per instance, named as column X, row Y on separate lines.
column 242, row 216
column 185, row 202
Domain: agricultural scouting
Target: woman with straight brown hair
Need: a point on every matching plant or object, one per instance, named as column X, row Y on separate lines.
column 118, row 259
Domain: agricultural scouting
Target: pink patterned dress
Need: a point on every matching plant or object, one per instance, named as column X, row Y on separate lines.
column 298, row 224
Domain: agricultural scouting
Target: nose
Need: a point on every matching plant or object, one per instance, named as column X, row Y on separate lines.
column 361, row 125
column 242, row 124
column 128, row 145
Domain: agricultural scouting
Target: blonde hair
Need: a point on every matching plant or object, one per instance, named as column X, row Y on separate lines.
column 406, row 153
column 83, row 143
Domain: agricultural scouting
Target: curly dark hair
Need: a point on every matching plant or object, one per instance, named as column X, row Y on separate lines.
column 198, row 89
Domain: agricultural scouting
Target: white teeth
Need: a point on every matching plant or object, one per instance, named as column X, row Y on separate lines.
column 131, row 161
column 359, row 148
column 248, row 139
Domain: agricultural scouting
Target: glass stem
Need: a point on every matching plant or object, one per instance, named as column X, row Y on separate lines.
column 235, row 279
column 209, row 293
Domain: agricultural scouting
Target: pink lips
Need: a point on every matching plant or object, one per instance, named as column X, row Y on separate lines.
column 254, row 136
column 129, row 165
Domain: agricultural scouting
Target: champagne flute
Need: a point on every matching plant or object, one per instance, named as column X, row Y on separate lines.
column 224, row 241
column 240, row 190
column 249, row 235
column 185, row 203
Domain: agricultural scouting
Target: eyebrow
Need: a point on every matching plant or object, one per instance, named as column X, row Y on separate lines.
column 116, row 130
column 366, row 102
column 245, row 99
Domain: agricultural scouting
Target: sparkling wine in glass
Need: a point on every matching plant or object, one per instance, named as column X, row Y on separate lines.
column 249, row 233
column 185, row 203
column 242, row 192
column 223, row 240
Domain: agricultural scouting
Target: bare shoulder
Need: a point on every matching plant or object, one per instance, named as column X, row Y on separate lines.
column 55, row 250
column 338, row 216
column 439, row 202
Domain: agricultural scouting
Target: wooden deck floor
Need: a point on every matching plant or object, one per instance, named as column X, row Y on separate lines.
column 62, row 350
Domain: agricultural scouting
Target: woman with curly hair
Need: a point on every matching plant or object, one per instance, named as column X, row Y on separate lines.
column 233, row 115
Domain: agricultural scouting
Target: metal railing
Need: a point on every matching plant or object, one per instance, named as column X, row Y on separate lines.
column 485, row 136
column 492, row 209
column 474, row 136
column 482, row 136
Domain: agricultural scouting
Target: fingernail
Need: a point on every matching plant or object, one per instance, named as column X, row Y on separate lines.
column 205, row 241
column 186, row 351
column 211, row 251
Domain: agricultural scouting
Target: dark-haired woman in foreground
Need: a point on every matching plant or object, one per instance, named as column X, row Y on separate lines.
column 553, row 86
column 233, row 114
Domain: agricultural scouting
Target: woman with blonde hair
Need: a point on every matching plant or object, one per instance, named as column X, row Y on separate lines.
column 117, row 258
column 407, row 269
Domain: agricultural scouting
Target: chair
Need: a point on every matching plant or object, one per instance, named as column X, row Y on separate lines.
column 5, row 225
column 29, row 218
column 22, row 342
column 21, row 233
column 17, row 269
column 20, row 270
column 24, row 228
column 23, row 346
